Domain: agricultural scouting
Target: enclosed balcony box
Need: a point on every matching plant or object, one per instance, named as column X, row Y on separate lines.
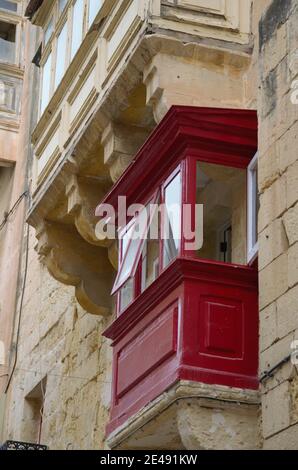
column 187, row 299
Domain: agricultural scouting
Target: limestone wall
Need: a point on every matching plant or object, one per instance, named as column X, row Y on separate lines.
column 278, row 220
column 63, row 360
column 62, row 345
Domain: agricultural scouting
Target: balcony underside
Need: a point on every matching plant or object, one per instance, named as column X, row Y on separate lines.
column 192, row 416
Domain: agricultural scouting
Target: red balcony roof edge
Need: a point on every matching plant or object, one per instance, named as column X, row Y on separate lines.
column 180, row 269
column 225, row 132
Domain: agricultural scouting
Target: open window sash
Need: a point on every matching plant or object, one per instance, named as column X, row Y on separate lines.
column 135, row 241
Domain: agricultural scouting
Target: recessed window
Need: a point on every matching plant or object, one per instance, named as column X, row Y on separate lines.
column 7, row 42
column 33, row 413
column 8, row 5
column 77, row 26
column 94, row 7
column 61, row 55
column 253, row 210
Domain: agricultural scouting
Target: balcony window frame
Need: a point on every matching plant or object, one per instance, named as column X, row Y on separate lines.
column 6, row 10
column 166, row 183
column 156, row 197
column 14, row 18
column 90, row 23
column 183, row 144
column 135, row 266
column 252, row 215
column 187, row 169
column 44, row 62
column 61, row 11
column 50, row 22
column 62, row 24
column 60, row 18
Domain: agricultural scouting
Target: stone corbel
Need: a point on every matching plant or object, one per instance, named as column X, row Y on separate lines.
column 83, row 195
column 162, row 85
column 73, row 261
column 198, row 78
column 121, row 143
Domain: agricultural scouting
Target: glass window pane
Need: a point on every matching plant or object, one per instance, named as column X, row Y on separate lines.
column 126, row 295
column 94, row 6
column 77, row 26
column 8, row 5
column 129, row 259
column 7, row 42
column 61, row 55
column 222, row 191
column 62, row 5
column 150, row 255
column 132, row 244
column 172, row 220
column 49, row 31
column 255, row 208
column 46, row 83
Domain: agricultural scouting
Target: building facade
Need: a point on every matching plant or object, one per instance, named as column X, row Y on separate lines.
column 111, row 344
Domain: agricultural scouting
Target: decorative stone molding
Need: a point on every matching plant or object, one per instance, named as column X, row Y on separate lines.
column 193, row 416
column 217, row 18
column 73, row 261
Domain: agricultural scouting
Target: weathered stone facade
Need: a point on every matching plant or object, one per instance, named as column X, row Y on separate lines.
column 63, row 363
column 278, row 185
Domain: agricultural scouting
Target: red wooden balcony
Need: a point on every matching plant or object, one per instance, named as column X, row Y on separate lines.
column 184, row 312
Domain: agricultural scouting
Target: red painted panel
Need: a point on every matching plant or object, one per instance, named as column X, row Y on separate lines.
column 221, row 326
column 220, row 332
column 141, row 375
column 147, row 350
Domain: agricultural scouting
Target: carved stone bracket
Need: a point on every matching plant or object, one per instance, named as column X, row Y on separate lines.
column 197, row 79
column 83, row 194
column 73, row 261
column 120, row 143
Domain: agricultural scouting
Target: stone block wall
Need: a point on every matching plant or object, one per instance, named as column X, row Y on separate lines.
column 278, row 220
column 61, row 345
column 63, row 360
